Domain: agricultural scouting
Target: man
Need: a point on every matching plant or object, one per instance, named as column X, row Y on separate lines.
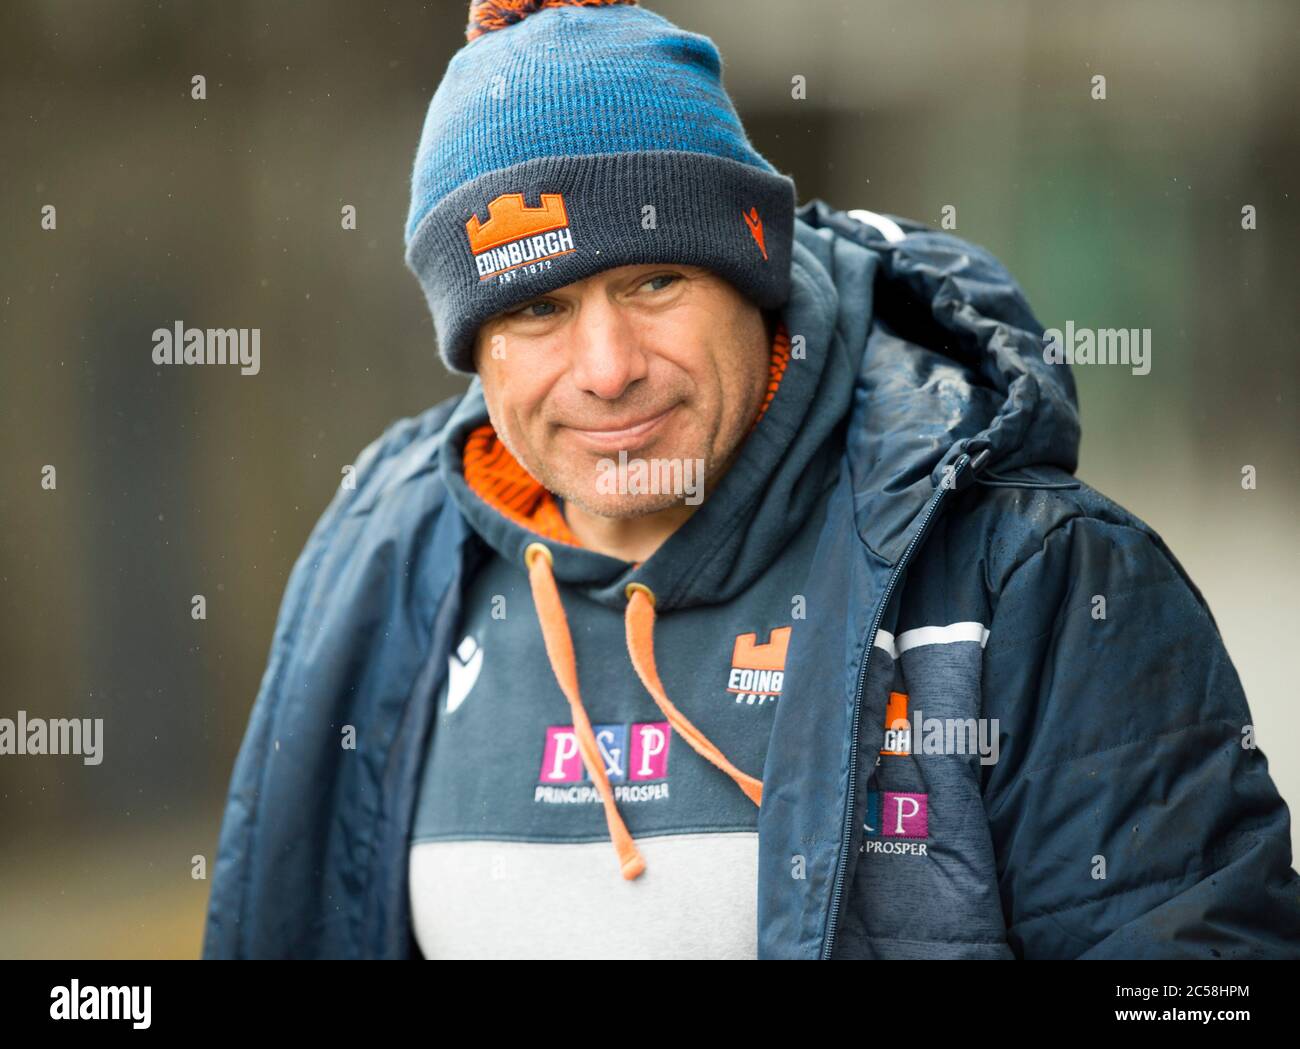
column 745, row 605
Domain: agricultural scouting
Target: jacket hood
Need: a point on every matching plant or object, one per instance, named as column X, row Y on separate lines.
column 954, row 365
column 788, row 459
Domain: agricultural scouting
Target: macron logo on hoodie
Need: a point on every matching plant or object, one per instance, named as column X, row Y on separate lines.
column 462, row 671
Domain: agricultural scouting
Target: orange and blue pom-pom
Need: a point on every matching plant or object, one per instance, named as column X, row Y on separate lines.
column 486, row 16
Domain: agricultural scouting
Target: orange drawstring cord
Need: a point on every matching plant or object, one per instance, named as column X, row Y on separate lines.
column 559, row 649
column 640, row 643
column 641, row 647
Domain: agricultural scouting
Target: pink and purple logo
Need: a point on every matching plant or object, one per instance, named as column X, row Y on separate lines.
column 633, row 753
column 892, row 814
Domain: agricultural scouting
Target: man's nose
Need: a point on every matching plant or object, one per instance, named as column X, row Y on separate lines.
column 605, row 354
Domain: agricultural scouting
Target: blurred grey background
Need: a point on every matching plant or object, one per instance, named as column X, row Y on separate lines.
column 226, row 212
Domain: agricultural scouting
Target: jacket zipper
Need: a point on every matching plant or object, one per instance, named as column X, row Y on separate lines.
column 833, row 919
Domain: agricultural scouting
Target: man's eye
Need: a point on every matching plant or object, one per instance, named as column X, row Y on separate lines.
column 526, row 310
column 668, row 277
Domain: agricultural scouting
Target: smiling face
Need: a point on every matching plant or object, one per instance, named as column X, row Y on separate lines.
column 664, row 362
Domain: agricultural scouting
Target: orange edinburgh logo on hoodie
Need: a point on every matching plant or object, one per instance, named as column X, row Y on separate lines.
column 758, row 671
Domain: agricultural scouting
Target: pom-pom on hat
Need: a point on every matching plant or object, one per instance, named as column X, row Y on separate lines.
column 571, row 136
column 487, row 15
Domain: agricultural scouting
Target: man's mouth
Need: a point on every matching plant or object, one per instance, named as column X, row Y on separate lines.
column 623, row 435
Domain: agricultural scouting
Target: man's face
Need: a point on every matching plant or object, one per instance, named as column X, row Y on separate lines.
column 664, row 362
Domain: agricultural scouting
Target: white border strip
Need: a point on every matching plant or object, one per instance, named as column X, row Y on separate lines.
column 931, row 635
column 890, row 229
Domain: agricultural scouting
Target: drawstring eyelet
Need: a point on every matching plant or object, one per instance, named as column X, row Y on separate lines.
column 633, row 587
column 534, row 548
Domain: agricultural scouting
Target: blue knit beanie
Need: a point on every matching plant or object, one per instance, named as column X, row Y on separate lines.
column 571, row 136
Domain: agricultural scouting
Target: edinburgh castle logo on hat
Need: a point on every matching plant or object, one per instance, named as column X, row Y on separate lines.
column 516, row 235
column 570, row 137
